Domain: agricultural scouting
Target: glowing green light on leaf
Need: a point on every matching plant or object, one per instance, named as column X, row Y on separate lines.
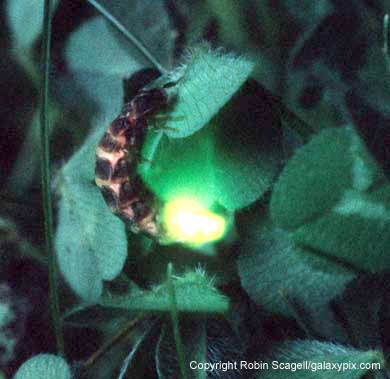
column 187, row 221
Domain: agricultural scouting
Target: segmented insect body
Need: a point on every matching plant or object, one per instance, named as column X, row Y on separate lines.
column 117, row 156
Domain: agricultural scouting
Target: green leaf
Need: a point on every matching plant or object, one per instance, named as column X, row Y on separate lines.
column 85, row 47
column 148, row 21
column 91, row 242
column 94, row 316
column 191, row 175
column 195, row 293
column 100, row 74
column 323, row 113
column 44, row 366
column 276, row 276
column 197, row 16
column 314, row 359
column 364, row 309
column 291, row 122
column 26, row 166
column 25, row 19
column 100, row 94
column 374, row 79
column 231, row 17
column 230, row 161
column 9, row 337
column 316, row 177
column 208, row 79
column 356, row 230
column 247, row 147
column 325, row 195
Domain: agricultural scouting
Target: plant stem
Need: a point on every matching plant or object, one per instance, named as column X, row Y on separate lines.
column 137, row 43
column 45, row 174
column 126, row 363
column 124, row 332
column 175, row 323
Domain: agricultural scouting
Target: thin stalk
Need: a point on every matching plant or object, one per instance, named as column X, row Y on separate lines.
column 45, row 170
column 137, row 43
column 126, row 363
column 120, row 335
column 175, row 323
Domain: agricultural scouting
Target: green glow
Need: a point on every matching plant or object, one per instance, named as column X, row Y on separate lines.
column 187, row 221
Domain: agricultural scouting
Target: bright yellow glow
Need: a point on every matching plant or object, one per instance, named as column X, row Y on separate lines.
column 187, row 221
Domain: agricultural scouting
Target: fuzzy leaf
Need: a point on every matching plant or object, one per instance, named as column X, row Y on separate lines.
column 194, row 293
column 229, row 161
column 320, row 356
column 208, row 79
column 85, row 46
column 242, row 177
column 95, row 94
column 317, row 176
column 191, row 175
column 149, row 22
column 25, row 19
column 356, row 230
column 44, row 366
column 91, row 242
column 288, row 285
column 364, row 309
column 100, row 75
column 323, row 196
column 245, row 162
